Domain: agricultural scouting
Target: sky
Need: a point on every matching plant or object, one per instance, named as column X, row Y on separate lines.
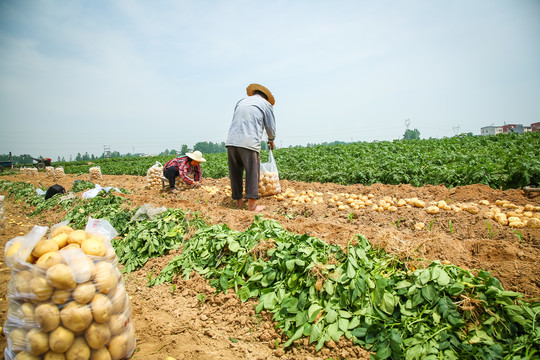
column 145, row 76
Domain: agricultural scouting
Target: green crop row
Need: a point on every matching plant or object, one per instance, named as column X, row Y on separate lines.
column 500, row 161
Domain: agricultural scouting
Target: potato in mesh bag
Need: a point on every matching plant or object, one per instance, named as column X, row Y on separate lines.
column 154, row 175
column 67, row 296
column 95, row 173
column 269, row 177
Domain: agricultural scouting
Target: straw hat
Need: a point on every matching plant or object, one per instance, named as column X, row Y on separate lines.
column 196, row 155
column 252, row 87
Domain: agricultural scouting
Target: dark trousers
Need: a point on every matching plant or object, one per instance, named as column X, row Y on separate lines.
column 171, row 173
column 241, row 159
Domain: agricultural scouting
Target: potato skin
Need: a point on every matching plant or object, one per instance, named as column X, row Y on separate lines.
column 77, row 237
column 37, row 342
column 64, row 229
column 76, row 317
column 47, row 316
column 61, row 240
column 49, row 259
column 44, row 246
column 41, row 288
column 102, row 308
column 61, row 339
column 97, row 335
column 78, row 350
column 105, row 277
column 118, row 346
column 100, row 354
column 61, row 277
column 93, row 246
column 84, row 292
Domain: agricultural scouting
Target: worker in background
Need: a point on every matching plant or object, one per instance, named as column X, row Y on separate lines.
column 187, row 167
column 252, row 115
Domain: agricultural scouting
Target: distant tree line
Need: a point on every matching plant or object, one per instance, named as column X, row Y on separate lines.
column 206, row 147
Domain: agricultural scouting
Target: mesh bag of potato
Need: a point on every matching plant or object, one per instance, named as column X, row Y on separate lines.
column 154, row 175
column 58, row 173
column 95, row 173
column 269, row 177
column 67, row 298
column 49, row 171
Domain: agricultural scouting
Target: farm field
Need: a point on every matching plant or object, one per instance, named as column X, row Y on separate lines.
column 416, row 227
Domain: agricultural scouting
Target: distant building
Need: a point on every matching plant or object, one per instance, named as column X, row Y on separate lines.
column 509, row 128
column 491, row 130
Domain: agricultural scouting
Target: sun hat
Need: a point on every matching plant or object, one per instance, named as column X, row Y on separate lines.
column 196, row 155
column 252, row 87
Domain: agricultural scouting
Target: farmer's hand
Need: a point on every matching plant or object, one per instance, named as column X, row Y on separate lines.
column 271, row 145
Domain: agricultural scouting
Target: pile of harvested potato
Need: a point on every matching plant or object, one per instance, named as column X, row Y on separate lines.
column 67, row 299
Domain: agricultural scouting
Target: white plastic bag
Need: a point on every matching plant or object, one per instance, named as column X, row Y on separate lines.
column 269, row 177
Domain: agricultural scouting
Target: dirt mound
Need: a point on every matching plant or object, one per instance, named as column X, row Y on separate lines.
column 188, row 320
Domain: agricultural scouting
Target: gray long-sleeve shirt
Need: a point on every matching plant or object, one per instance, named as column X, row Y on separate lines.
column 252, row 115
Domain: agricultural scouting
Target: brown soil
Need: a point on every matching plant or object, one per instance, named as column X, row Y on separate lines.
column 194, row 322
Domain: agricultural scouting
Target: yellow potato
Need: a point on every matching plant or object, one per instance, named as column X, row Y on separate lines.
column 70, row 247
column 78, row 350
column 118, row 323
column 60, row 339
column 47, row 316
column 21, row 280
column 44, row 246
column 64, row 229
column 84, row 292
column 61, row 277
column 49, row 259
column 77, row 237
column 118, row 347
column 76, row 317
column 101, row 307
column 97, row 335
column 61, row 240
column 83, row 269
column 18, row 339
column 118, row 298
column 93, row 246
column 51, row 355
column 38, row 342
column 28, row 313
column 41, row 288
column 12, row 250
column 105, row 277
column 60, row 297
column 24, row 355
column 100, row 354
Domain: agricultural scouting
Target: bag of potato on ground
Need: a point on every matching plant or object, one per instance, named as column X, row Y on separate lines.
column 269, row 177
column 154, row 175
column 95, row 173
column 58, row 173
column 49, row 171
column 67, row 298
